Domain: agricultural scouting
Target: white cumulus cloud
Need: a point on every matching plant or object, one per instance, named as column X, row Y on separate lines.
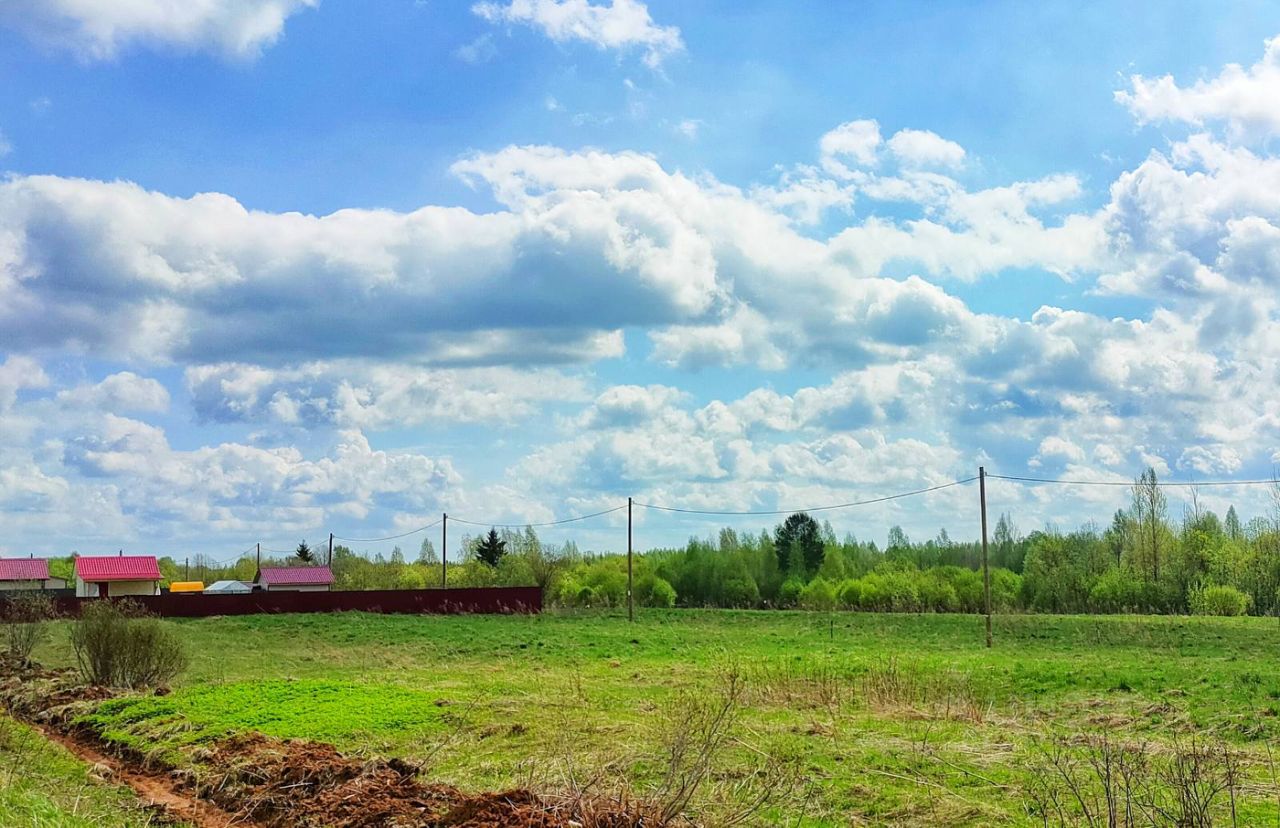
column 622, row 24
column 100, row 29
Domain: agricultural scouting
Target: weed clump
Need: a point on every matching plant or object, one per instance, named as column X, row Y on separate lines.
column 118, row 645
column 24, row 616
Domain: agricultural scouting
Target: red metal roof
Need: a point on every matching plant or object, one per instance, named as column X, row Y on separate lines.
column 118, row 568
column 295, row 575
column 24, row 569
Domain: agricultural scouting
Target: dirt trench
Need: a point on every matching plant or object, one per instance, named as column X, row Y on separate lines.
column 255, row 780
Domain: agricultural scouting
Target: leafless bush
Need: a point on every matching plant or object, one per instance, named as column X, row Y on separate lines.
column 1098, row 781
column 117, row 645
column 699, row 728
column 25, row 614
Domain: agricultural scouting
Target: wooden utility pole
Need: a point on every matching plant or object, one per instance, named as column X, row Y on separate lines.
column 329, row 562
column 631, row 600
column 444, row 550
column 186, row 569
column 986, row 569
column 259, row 557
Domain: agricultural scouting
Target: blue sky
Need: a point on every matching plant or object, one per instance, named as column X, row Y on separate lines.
column 274, row 268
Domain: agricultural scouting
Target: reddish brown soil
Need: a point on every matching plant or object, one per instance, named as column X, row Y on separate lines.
column 158, row 790
column 255, row 780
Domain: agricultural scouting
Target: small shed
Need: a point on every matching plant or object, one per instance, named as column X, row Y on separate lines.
column 186, row 586
column 114, row 576
column 27, row 574
column 228, row 588
column 295, row 578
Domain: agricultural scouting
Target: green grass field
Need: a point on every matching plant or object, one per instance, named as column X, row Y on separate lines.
column 888, row 719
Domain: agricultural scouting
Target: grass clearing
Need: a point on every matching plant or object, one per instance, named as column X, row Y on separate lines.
column 900, row 719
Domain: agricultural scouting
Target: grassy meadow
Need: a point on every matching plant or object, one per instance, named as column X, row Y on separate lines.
column 858, row 718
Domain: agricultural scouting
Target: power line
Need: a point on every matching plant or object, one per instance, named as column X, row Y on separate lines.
column 812, row 508
column 1128, row 484
column 390, row 537
column 545, row 523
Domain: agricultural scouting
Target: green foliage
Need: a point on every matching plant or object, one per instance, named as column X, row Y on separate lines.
column 1219, row 600
column 850, row 593
column 789, row 594
column 662, row 594
column 798, row 544
column 491, row 548
column 818, row 594
column 1116, row 591
column 741, row 592
column 304, row 554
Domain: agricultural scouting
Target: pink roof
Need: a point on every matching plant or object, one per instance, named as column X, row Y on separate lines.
column 295, row 575
column 24, row 569
column 118, row 568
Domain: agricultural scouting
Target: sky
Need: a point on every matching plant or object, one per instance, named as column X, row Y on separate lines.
column 271, row 269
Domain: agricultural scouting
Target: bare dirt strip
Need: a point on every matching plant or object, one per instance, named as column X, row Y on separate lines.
column 158, row 790
column 255, row 780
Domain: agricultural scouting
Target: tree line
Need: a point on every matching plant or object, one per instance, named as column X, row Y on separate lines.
column 1142, row 561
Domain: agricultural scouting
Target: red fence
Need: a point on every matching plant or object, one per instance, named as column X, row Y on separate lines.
column 492, row 600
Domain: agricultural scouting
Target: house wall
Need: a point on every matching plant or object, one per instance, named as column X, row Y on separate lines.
column 116, row 589
column 28, row 585
column 299, row 588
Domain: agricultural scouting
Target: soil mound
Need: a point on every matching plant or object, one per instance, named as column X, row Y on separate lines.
column 252, row 779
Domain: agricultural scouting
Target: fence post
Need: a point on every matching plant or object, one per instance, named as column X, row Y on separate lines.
column 631, row 600
column 444, row 550
column 986, row 569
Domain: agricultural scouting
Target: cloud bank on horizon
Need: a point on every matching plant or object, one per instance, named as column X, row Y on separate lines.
column 581, row 324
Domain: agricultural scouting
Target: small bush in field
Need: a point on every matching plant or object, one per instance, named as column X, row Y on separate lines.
column 662, row 594
column 850, row 593
column 741, row 592
column 116, row 645
column 818, row 595
column 1219, row 600
column 789, row 593
column 24, row 616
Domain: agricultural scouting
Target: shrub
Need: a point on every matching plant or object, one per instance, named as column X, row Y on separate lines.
column 937, row 595
column 789, row 592
column 662, row 594
column 1219, row 600
column 25, row 615
column 741, row 592
column 850, row 593
column 818, row 595
column 116, row 645
column 1116, row 591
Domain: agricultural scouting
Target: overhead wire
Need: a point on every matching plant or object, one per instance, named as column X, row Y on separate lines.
column 1173, row 483
column 536, row 525
column 392, row 537
column 848, row 505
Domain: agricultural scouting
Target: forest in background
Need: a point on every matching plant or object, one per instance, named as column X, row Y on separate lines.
column 1141, row 561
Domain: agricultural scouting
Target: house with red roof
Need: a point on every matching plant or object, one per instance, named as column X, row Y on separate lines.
column 27, row 573
column 113, row 576
column 294, row 579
